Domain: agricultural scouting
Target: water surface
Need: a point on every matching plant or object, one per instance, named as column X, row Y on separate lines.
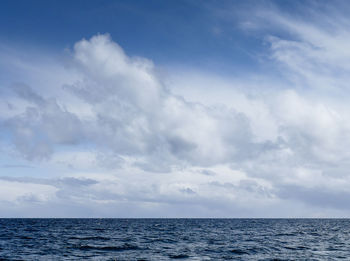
column 168, row 239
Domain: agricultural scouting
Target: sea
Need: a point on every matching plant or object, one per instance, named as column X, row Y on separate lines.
column 169, row 239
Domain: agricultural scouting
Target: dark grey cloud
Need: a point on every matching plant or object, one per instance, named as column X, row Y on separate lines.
column 60, row 182
column 41, row 126
column 9, row 166
column 316, row 196
column 26, row 93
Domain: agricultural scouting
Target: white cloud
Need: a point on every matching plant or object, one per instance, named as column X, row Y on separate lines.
column 210, row 145
column 16, row 192
column 131, row 114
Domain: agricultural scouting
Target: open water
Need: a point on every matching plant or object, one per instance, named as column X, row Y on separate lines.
column 168, row 239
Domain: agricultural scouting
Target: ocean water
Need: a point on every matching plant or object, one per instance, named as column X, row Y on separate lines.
column 168, row 239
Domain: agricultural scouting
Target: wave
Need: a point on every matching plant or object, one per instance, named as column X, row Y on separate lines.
column 91, row 238
column 107, row 248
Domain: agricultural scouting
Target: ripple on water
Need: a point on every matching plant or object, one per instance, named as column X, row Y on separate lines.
column 165, row 239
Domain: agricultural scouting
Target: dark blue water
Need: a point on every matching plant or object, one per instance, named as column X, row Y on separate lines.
column 167, row 239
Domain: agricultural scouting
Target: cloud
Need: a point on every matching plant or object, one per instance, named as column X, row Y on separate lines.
column 132, row 114
column 42, row 124
column 124, row 138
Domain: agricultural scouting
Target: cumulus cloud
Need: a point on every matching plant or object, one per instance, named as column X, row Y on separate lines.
column 132, row 114
column 134, row 142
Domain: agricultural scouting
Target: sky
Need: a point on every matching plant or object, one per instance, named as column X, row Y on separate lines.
column 225, row 109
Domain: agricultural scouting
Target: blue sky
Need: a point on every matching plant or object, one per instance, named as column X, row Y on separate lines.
column 196, row 33
column 174, row 109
